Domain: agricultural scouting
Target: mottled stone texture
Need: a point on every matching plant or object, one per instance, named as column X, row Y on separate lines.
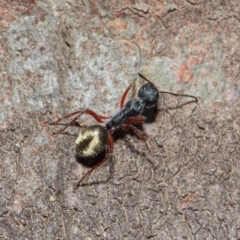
column 65, row 55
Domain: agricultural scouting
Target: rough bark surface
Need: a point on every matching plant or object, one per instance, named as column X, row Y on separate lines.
column 61, row 56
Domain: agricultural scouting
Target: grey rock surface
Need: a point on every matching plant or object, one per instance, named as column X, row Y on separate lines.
column 58, row 57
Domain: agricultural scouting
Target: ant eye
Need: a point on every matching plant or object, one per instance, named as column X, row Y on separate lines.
column 149, row 94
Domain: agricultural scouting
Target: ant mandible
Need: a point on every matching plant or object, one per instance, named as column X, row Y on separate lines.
column 93, row 139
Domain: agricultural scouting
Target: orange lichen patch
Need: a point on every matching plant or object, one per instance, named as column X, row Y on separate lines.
column 10, row 10
column 120, row 14
column 17, row 205
column 230, row 95
column 4, row 25
column 117, row 24
column 7, row 15
column 186, row 201
column 3, row 127
column 198, row 52
column 6, row 18
column 185, row 74
column 7, row 97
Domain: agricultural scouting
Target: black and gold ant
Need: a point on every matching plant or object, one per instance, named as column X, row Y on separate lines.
column 93, row 139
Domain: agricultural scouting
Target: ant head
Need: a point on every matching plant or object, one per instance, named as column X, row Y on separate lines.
column 149, row 94
column 91, row 141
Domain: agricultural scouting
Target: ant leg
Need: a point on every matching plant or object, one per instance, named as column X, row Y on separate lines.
column 98, row 118
column 124, row 96
column 67, row 116
column 126, row 127
column 109, row 154
column 57, row 122
column 136, row 120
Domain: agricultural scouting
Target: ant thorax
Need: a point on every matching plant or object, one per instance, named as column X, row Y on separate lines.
column 91, row 141
column 132, row 108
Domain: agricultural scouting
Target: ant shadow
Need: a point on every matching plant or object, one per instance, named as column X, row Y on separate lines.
column 150, row 114
column 90, row 162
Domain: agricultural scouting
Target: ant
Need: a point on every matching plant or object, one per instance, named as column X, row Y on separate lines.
column 93, row 139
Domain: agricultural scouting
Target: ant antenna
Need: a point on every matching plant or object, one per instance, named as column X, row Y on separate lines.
column 140, row 63
column 140, row 57
column 143, row 77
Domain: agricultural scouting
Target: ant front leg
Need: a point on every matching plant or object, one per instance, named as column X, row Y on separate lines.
column 98, row 118
column 72, row 122
column 126, row 127
column 109, row 154
column 124, row 96
column 136, row 120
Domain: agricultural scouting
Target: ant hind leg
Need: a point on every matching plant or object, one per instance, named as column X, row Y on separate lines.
column 98, row 118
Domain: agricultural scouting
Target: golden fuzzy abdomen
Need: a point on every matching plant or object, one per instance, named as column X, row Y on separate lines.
column 91, row 141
